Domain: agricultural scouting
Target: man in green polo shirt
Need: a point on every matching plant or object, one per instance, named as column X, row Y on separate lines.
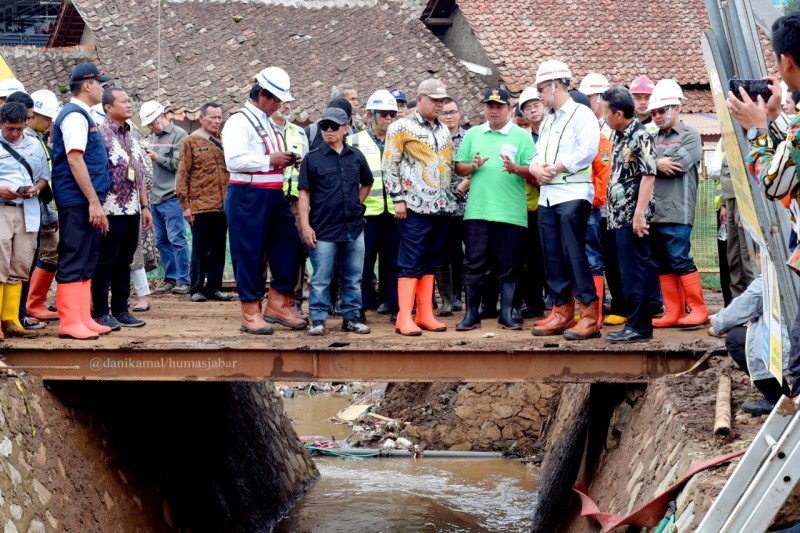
column 494, row 159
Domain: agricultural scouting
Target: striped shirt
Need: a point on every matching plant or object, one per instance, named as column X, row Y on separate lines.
column 249, row 137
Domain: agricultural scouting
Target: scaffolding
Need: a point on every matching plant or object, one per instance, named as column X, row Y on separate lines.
column 27, row 22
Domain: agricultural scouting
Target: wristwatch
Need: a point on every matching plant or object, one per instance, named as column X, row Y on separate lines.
column 145, row 206
column 754, row 133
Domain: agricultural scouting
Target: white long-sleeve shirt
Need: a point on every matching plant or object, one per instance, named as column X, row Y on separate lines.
column 246, row 154
column 571, row 135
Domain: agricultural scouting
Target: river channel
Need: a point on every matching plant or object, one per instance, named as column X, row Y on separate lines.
column 398, row 494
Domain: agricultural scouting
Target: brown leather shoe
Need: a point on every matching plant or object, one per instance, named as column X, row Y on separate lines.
column 563, row 319
column 252, row 321
column 280, row 310
column 587, row 327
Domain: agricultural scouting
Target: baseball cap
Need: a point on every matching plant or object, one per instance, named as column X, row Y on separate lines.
column 499, row 96
column 334, row 114
column 88, row 71
column 399, row 95
column 432, row 88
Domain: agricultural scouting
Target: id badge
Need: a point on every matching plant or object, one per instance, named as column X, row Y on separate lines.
column 131, row 174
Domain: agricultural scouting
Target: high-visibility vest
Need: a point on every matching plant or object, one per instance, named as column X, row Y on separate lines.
column 377, row 202
column 549, row 144
column 294, row 139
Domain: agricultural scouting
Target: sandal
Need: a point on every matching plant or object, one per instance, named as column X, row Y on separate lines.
column 142, row 308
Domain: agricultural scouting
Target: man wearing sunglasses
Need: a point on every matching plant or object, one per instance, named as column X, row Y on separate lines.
column 380, row 232
column 335, row 179
column 678, row 153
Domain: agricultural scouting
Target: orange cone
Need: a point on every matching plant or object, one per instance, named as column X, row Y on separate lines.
column 406, row 290
column 698, row 314
column 86, row 309
column 425, row 317
column 673, row 303
column 40, row 283
column 69, row 302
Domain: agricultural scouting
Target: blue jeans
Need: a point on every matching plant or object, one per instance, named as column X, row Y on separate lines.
column 349, row 255
column 670, row 244
column 170, row 230
column 594, row 250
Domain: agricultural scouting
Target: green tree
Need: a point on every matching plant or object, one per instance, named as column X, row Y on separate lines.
column 791, row 5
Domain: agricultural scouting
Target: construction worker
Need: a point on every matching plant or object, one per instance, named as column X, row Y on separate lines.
column 260, row 222
column 679, row 151
column 629, row 209
column 23, row 174
column 168, row 222
column 45, row 109
column 9, row 86
column 562, row 166
column 594, row 85
column 81, row 181
column 401, row 99
column 494, row 159
column 418, row 176
column 641, row 89
column 380, row 231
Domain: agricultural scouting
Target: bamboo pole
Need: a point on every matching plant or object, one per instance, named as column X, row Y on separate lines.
column 722, row 416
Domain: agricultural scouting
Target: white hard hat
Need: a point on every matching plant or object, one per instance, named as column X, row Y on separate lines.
column 528, row 94
column 150, row 111
column 99, row 113
column 665, row 93
column 381, row 100
column 594, row 83
column 10, row 85
column 552, row 69
column 45, row 103
column 276, row 81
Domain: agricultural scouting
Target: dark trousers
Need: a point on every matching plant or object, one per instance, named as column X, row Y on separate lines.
column 114, row 265
column 735, row 344
column 209, row 235
column 423, row 239
column 381, row 245
column 454, row 254
column 613, row 280
column 262, row 228
column 724, row 268
column 533, row 271
column 740, row 265
column 495, row 246
column 562, row 230
column 633, row 258
column 79, row 245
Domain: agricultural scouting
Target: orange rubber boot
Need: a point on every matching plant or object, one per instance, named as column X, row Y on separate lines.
column 673, row 303
column 548, row 318
column 406, row 290
column 425, row 317
column 698, row 314
column 69, row 300
column 86, row 309
column 40, row 283
column 600, row 288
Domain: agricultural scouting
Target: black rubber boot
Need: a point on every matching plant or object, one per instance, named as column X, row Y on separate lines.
column 507, row 305
column 472, row 319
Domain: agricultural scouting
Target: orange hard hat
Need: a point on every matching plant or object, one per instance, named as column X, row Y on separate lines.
column 642, row 85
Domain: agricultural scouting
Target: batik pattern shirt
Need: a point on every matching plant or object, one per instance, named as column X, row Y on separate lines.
column 781, row 139
column 417, row 166
column 634, row 157
column 125, row 161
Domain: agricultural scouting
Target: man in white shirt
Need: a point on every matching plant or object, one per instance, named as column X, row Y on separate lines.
column 568, row 143
column 260, row 223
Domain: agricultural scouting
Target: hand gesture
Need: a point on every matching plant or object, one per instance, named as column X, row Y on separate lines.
column 667, row 166
column 7, row 194
column 478, row 161
column 508, row 165
column 749, row 114
column 280, row 159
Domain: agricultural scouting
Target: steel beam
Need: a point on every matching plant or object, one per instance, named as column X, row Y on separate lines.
column 225, row 364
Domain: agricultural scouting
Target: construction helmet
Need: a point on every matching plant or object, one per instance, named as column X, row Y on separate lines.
column 45, row 103
column 381, row 100
column 665, row 93
column 528, row 94
column 552, row 69
column 594, row 83
column 276, row 81
column 150, row 111
column 642, row 85
column 100, row 113
column 10, row 85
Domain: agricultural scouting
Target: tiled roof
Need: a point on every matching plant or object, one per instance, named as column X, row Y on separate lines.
column 46, row 68
column 212, row 50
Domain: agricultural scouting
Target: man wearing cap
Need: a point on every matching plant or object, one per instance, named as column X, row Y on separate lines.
column 562, row 166
column 312, row 130
column 260, row 223
column 9, row 86
column 402, row 101
column 80, row 184
column 418, row 176
column 641, row 89
column 494, row 159
column 334, row 182
column 380, row 232
column 679, row 150
column 168, row 222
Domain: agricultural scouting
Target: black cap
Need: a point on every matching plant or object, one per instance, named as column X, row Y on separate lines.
column 334, row 114
column 342, row 104
column 499, row 96
column 88, row 71
column 580, row 98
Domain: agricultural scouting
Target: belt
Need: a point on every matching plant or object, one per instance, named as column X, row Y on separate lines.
column 12, row 204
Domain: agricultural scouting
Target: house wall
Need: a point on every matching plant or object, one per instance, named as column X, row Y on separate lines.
column 461, row 40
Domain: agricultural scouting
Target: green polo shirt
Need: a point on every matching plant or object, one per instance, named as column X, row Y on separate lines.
column 494, row 194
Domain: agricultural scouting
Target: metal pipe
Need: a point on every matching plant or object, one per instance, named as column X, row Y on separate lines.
column 370, row 452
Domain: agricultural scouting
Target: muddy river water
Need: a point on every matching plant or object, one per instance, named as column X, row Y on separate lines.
column 398, row 494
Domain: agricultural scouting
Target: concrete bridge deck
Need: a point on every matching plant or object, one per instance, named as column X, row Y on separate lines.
column 200, row 341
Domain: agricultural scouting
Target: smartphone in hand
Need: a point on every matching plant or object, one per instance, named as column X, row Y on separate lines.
column 753, row 88
column 23, row 189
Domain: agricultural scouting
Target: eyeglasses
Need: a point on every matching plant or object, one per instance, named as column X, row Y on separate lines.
column 387, row 114
column 661, row 111
column 450, row 113
column 329, row 126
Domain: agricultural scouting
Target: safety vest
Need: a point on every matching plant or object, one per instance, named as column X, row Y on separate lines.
column 295, row 140
column 377, row 201
column 550, row 143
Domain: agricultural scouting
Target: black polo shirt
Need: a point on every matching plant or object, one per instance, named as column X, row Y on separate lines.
column 333, row 181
